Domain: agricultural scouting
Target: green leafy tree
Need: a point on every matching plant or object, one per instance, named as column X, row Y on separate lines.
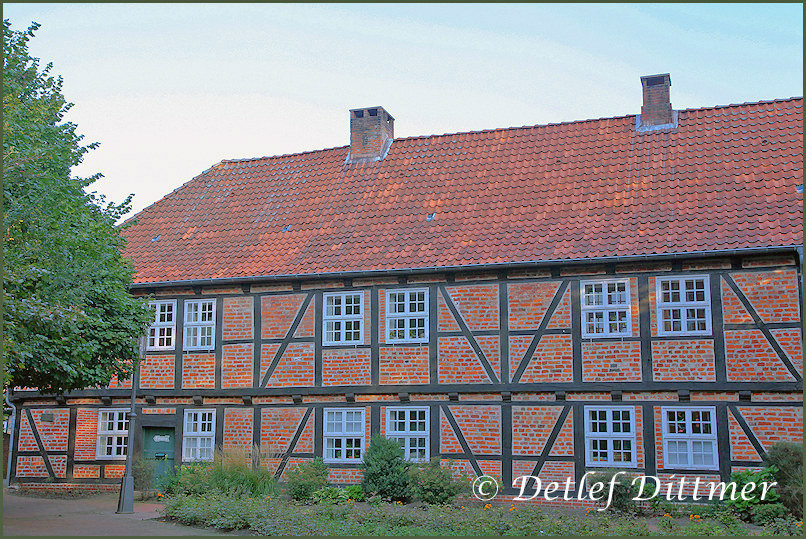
column 69, row 320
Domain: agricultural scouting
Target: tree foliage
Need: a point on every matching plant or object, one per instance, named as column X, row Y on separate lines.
column 69, row 320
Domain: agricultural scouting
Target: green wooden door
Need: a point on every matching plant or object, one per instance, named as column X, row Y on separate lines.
column 158, row 446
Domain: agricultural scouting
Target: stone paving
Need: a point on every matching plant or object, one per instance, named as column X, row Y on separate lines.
column 94, row 515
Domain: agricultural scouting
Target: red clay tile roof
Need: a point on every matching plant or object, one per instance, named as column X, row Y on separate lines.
column 724, row 179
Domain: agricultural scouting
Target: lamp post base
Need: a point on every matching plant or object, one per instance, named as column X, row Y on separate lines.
column 126, row 499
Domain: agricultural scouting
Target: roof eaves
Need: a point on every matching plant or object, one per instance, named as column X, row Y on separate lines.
column 474, row 267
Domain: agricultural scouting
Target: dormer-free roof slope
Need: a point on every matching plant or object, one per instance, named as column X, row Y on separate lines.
column 722, row 178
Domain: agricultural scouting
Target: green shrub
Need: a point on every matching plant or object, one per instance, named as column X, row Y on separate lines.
column 623, row 490
column 787, row 457
column 744, row 507
column 433, row 484
column 765, row 513
column 386, row 472
column 229, row 473
column 143, row 474
column 305, row 479
column 355, row 493
column 330, row 495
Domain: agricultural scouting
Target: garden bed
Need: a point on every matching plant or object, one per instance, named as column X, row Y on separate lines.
column 270, row 516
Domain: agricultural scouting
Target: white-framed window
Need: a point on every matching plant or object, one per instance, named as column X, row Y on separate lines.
column 343, row 317
column 199, row 324
column 163, row 328
column 683, row 305
column 610, row 436
column 689, row 438
column 344, row 435
column 409, row 426
column 605, row 308
column 113, row 433
column 407, row 315
column 198, row 435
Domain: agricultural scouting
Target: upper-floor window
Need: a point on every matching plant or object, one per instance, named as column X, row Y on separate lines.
column 163, row 328
column 610, row 436
column 344, row 434
column 689, row 438
column 343, row 318
column 605, row 308
column 684, row 305
column 409, row 426
column 199, row 324
column 198, row 436
column 113, row 434
column 407, row 315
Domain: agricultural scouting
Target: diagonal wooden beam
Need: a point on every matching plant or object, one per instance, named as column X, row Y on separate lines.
column 462, row 442
column 763, row 327
column 541, row 329
column 469, row 336
column 286, row 340
column 293, row 443
column 734, row 410
column 555, row 432
column 39, row 443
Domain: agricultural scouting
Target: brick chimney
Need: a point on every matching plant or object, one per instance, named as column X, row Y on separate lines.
column 657, row 109
column 371, row 133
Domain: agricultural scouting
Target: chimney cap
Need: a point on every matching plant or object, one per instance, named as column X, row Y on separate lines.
column 655, row 80
column 369, row 111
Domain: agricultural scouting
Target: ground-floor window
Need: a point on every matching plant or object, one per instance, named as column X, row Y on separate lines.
column 610, row 436
column 409, row 427
column 198, row 438
column 113, row 434
column 344, row 434
column 689, row 438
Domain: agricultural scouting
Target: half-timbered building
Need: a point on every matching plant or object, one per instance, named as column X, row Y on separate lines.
column 612, row 293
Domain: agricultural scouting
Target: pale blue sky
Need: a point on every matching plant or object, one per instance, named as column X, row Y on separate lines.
column 170, row 89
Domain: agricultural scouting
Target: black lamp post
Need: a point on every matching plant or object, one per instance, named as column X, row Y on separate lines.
column 126, row 499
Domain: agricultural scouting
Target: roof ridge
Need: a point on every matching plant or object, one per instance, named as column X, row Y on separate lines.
column 510, row 128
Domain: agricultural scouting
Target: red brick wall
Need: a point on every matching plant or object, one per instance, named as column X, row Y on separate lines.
column 458, row 362
column 611, row 361
column 481, row 427
column 740, row 446
column 528, row 303
column 86, row 433
column 157, row 371
column 773, row 294
column 237, row 322
column 477, row 304
column 277, row 314
column 531, row 426
column 86, row 471
column 237, row 428
column 552, row 360
column 774, row 424
column 749, row 356
column 236, row 365
column 343, row 367
column 404, row 365
column 683, row 360
column 295, row 367
column 277, row 428
column 198, row 371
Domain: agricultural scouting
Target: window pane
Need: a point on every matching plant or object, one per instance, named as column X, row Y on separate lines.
column 599, row 450
column 397, row 302
column 702, row 453
column 677, row 453
column 593, row 295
